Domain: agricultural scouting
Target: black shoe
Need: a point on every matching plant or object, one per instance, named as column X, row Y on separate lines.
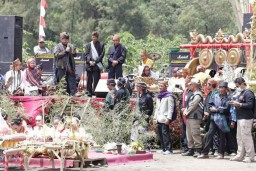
column 188, row 153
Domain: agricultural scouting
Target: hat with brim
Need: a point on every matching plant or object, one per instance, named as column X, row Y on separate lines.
column 111, row 82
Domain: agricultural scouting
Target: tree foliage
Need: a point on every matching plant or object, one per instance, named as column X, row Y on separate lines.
column 154, row 25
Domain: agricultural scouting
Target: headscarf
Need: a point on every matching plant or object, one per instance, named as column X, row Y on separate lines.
column 32, row 74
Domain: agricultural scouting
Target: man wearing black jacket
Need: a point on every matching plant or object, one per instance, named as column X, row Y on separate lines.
column 94, row 54
column 116, row 57
column 245, row 114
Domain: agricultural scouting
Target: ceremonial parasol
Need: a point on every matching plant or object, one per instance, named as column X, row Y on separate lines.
column 154, row 56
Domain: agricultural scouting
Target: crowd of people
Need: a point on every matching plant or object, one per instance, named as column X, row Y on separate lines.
column 226, row 111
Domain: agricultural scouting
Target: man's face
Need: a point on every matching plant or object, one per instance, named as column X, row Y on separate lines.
column 56, row 123
column 174, row 74
column 209, row 86
column 116, row 41
column 139, row 89
column 94, row 39
column 237, row 85
column 163, row 86
column 18, row 66
column 39, row 121
column 143, row 56
column 64, row 41
column 223, row 90
column 184, row 74
column 41, row 44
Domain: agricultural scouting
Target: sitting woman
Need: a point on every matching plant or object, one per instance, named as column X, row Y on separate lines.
column 146, row 72
column 58, row 127
column 19, row 126
column 32, row 77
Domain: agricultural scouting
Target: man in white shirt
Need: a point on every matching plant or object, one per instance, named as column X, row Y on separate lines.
column 40, row 48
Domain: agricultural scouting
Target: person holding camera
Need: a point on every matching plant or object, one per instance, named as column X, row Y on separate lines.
column 64, row 54
column 245, row 106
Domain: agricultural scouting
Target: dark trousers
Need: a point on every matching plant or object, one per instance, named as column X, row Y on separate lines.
column 70, row 79
column 209, row 139
column 231, row 146
column 93, row 78
column 164, row 135
column 184, row 136
column 115, row 72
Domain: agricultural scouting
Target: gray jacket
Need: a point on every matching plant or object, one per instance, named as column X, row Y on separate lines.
column 195, row 108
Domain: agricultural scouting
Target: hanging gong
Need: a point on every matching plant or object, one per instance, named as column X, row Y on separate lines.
column 234, row 56
column 220, row 57
column 206, row 58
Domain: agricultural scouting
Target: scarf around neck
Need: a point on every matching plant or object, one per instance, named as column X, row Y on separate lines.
column 164, row 94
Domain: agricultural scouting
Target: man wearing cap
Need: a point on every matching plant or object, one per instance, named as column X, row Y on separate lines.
column 116, row 58
column 163, row 116
column 40, row 48
column 109, row 101
column 245, row 115
column 94, row 54
column 64, row 54
column 194, row 114
column 219, row 113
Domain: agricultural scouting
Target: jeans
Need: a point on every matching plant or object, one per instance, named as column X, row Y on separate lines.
column 164, row 135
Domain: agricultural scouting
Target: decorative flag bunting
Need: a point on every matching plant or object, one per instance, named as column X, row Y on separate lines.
column 42, row 24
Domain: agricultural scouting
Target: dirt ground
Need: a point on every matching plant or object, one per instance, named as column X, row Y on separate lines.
column 171, row 162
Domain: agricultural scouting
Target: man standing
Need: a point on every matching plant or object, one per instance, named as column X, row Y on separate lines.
column 64, row 54
column 116, row 57
column 194, row 115
column 245, row 114
column 40, row 48
column 184, row 103
column 163, row 116
column 94, row 54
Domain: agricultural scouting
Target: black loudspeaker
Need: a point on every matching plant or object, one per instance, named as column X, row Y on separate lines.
column 79, row 60
column 247, row 21
column 11, row 32
column 47, row 62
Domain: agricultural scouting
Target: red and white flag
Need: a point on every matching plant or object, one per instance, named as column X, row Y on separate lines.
column 42, row 25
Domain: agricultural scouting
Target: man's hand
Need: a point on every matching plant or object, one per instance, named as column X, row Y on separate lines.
column 167, row 122
column 92, row 63
column 206, row 116
column 68, row 49
column 213, row 109
column 232, row 125
column 114, row 63
column 182, row 110
column 234, row 103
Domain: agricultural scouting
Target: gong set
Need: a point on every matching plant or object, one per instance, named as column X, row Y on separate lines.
column 233, row 57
